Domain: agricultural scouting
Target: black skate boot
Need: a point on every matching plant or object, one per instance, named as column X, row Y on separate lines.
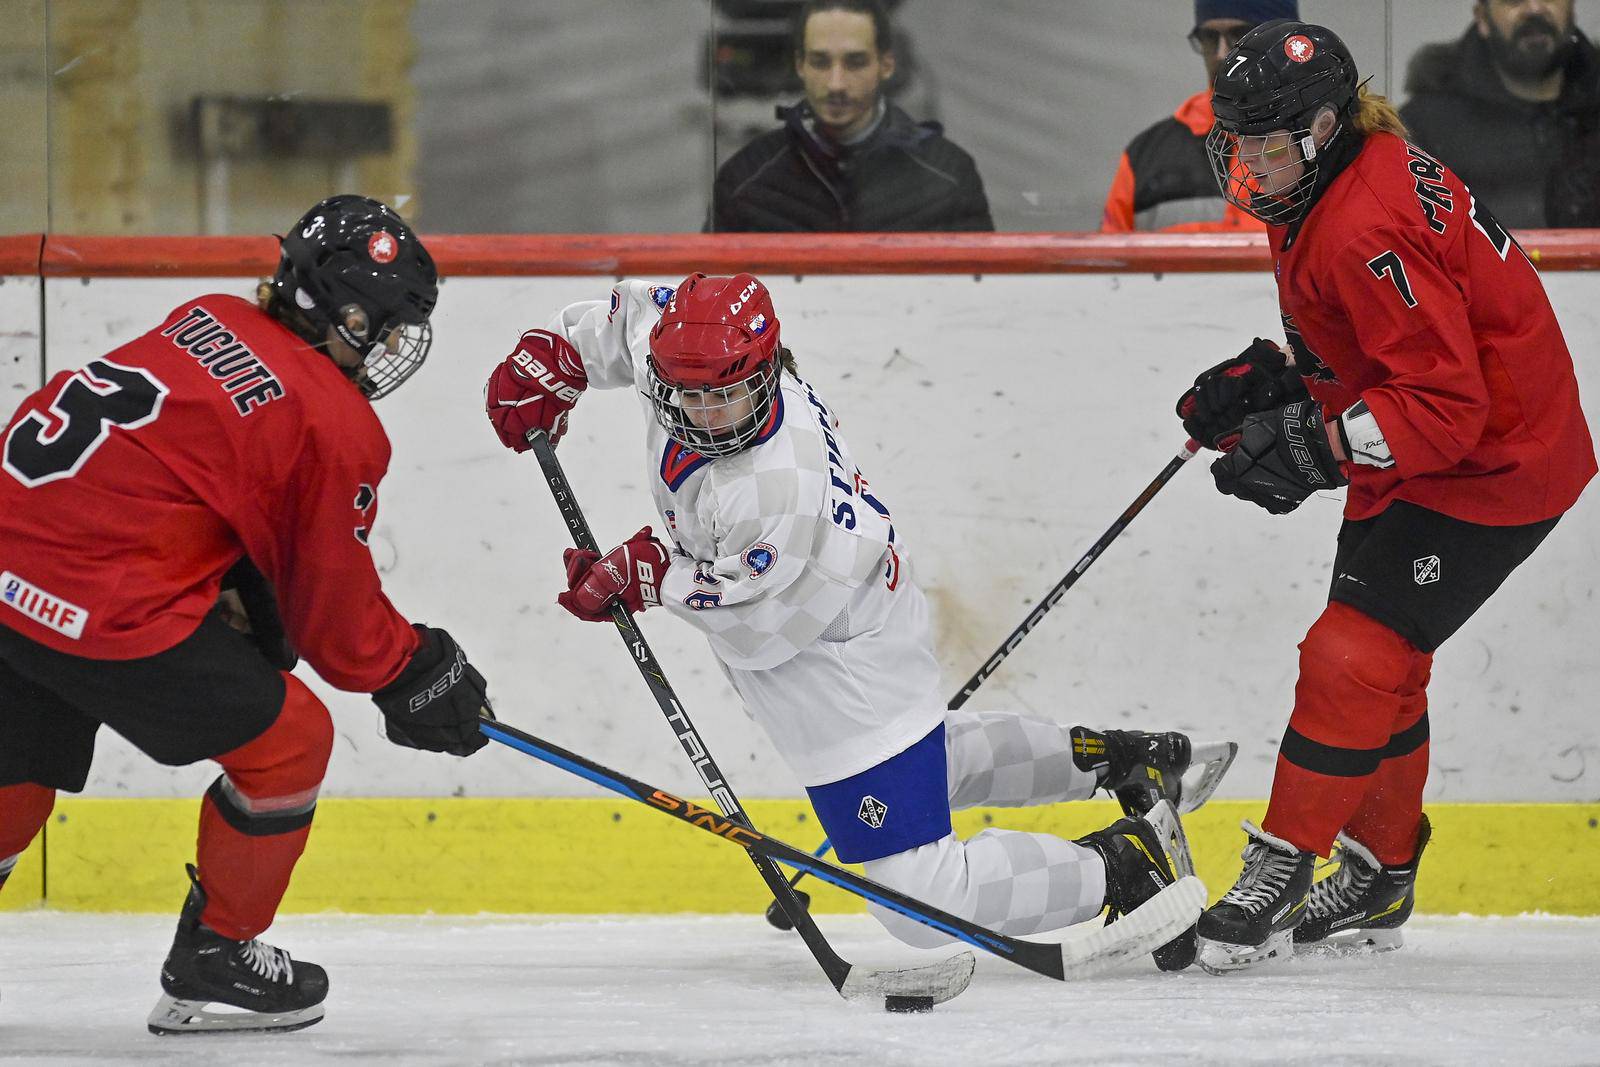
column 1140, row 768
column 1253, row 921
column 1143, row 856
column 1362, row 904
column 275, row 993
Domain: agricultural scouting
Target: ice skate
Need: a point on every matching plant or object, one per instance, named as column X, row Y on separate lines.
column 1254, row 921
column 260, row 987
column 1143, row 856
column 1140, row 768
column 1361, row 906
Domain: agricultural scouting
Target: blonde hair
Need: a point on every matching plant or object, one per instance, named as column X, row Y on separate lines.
column 1374, row 114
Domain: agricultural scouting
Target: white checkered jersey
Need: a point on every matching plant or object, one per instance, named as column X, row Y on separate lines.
column 770, row 543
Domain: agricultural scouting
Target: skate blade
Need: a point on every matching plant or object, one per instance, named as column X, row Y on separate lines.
column 1176, row 842
column 1353, row 943
column 172, row 1016
column 1213, row 760
column 1219, row 957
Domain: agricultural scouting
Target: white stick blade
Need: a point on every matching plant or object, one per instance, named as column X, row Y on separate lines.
column 941, row 981
column 1139, row 932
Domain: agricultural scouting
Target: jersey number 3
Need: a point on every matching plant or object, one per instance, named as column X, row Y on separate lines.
column 41, row 449
column 1389, row 265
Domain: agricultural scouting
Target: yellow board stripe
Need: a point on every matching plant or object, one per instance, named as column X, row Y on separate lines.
column 597, row 856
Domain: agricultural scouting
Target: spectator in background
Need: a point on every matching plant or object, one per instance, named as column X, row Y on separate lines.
column 1513, row 107
column 1164, row 179
column 845, row 158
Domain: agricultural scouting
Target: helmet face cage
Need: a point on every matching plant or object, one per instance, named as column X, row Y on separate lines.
column 385, row 367
column 736, row 413
column 1270, row 89
column 1249, row 191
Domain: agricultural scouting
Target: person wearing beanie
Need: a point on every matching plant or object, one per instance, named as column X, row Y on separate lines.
column 1163, row 179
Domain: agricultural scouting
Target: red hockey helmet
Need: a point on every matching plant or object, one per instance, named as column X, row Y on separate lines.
column 714, row 363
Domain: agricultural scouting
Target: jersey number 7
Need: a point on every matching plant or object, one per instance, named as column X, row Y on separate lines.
column 1389, row 265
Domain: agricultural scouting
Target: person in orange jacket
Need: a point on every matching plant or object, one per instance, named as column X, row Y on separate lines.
column 1164, row 179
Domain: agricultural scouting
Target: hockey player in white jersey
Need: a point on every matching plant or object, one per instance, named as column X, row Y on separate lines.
column 779, row 551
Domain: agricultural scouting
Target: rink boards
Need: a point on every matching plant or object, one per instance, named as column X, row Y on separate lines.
column 554, row 855
column 1006, row 414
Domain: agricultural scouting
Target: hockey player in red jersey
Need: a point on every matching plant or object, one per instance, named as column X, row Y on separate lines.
column 1426, row 370
column 232, row 432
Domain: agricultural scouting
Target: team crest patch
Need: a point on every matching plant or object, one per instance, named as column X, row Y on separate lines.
column 759, row 559
column 1425, row 570
column 758, row 325
column 382, row 247
column 1299, row 48
column 661, row 295
column 873, row 811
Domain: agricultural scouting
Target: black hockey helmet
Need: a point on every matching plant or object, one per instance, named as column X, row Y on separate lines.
column 352, row 253
column 1276, row 79
column 1280, row 74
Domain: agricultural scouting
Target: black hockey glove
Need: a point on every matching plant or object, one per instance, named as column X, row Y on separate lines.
column 1257, row 379
column 264, row 625
column 1281, row 458
column 438, row 700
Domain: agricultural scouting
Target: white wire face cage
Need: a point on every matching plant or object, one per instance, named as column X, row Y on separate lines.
column 1246, row 191
column 385, row 369
column 734, row 415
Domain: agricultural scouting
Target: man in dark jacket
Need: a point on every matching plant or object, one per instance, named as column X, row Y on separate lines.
column 1513, row 107
column 845, row 158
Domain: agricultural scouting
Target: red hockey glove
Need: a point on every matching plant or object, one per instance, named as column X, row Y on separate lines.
column 534, row 387
column 1257, row 379
column 630, row 573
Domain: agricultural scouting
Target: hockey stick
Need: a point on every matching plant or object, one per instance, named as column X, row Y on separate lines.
column 1208, row 783
column 934, row 983
column 1059, row 590
column 1164, row 916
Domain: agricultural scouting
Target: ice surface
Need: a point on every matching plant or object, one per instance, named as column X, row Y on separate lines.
column 496, row 990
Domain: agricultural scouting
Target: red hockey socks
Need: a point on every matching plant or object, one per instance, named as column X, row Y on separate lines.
column 1356, row 678
column 1387, row 820
column 23, row 810
column 256, row 817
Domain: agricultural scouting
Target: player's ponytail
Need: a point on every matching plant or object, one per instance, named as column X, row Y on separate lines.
column 1374, row 114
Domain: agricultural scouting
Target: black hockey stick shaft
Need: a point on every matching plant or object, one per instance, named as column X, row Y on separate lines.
column 835, row 966
column 1057, row 591
column 1043, row 958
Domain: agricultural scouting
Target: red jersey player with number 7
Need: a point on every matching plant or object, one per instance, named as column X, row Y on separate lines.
column 1427, row 372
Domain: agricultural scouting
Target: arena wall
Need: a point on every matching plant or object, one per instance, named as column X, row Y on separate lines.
column 1006, row 405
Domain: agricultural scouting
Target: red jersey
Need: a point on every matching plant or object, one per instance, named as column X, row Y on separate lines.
column 130, row 486
column 1401, row 290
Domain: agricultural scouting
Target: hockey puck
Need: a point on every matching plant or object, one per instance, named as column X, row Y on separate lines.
column 776, row 916
column 896, row 1003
